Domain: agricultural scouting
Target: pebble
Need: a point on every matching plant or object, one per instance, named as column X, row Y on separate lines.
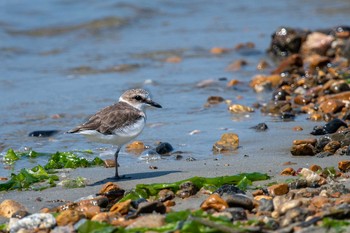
column 214, row 201
column 228, row 189
column 278, row 189
column 149, row 221
column 164, row 148
column 260, row 127
column 344, row 165
column 227, row 143
column 238, row 200
column 33, row 222
column 9, row 207
column 43, row 133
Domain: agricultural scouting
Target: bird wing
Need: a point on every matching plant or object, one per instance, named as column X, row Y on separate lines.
column 110, row 118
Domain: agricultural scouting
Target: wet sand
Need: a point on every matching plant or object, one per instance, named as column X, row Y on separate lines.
column 263, row 152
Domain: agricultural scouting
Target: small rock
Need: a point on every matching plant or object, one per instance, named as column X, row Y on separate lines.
column 260, row 127
column 215, row 100
column 8, row 207
column 238, row 108
column 33, row 222
column 214, row 201
column 237, row 213
column 187, row 189
column 319, row 201
column 228, row 142
column 331, row 106
column 265, row 205
column 148, row 221
column 43, row 133
column 288, row 172
column 68, row 217
column 232, row 82
column 344, row 165
column 150, row 207
column 303, row 149
column 164, row 148
column 238, row 200
column 121, row 207
column 228, row 189
column 310, row 176
column 165, row 195
column 135, row 147
column 332, row 147
column 311, row 141
column 278, row 189
column 262, row 83
column 108, row 163
column 289, row 205
column 262, row 65
column 112, row 191
column 315, row 168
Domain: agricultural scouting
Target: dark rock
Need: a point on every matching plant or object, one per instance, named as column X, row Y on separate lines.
column 43, row 133
column 286, row 41
column 237, row 213
column 164, row 148
column 329, row 128
column 260, row 127
column 187, row 189
column 135, row 204
column 150, row 207
column 229, row 189
column 265, row 205
column 298, row 184
column 238, row 200
column 322, row 142
column 279, row 95
column 287, row 116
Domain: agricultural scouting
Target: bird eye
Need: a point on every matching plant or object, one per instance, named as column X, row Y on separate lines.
column 138, row 98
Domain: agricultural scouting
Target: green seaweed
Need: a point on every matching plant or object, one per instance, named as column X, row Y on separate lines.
column 338, row 226
column 243, row 180
column 26, row 177
column 70, row 160
column 33, row 178
column 79, row 182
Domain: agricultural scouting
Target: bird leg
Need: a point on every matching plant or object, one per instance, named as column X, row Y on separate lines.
column 117, row 177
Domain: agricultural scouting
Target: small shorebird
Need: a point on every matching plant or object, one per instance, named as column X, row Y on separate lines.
column 119, row 123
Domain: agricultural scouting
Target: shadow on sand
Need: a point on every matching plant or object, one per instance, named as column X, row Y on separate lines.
column 134, row 176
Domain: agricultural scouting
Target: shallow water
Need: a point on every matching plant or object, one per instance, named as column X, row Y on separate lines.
column 71, row 58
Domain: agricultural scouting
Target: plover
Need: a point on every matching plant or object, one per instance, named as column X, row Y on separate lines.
column 119, row 123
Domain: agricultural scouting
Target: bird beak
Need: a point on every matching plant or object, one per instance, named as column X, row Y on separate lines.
column 152, row 103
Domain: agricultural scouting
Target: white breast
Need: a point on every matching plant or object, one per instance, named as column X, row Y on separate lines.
column 119, row 137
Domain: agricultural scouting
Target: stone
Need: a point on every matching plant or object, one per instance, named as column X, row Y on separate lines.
column 315, row 168
column 8, row 207
column 227, row 143
column 33, row 222
column 112, row 191
column 215, row 100
column 239, row 200
column 288, row 172
column 238, row 108
column 148, row 221
column 265, row 205
column 165, row 195
column 311, row 141
column 108, row 163
column 303, row 149
column 150, row 207
column 319, row 201
column 332, row 147
column 219, row 50
column 135, row 147
column 232, row 82
column 262, row 83
column 286, row 206
column 68, row 217
column 331, row 106
column 173, row 59
column 237, row 213
column 260, row 127
column 121, row 208
column 278, row 189
column 228, row 189
column 344, row 165
column 164, row 148
column 214, row 201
